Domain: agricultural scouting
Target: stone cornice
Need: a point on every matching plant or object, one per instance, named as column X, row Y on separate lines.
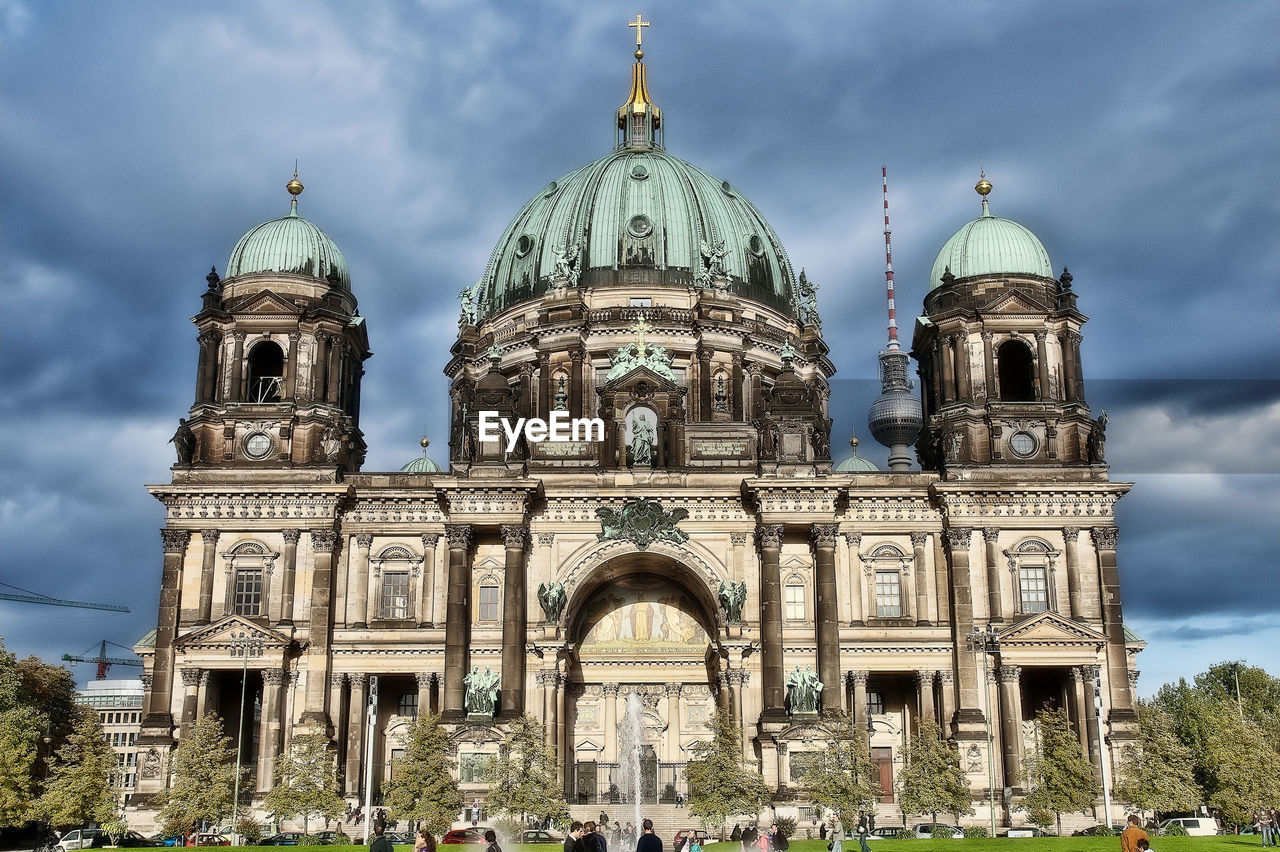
column 201, row 504
column 1034, row 503
column 793, row 501
column 489, row 503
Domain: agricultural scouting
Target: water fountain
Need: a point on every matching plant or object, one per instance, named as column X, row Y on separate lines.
column 630, row 743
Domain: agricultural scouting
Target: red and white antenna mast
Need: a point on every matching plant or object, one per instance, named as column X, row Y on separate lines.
column 888, row 265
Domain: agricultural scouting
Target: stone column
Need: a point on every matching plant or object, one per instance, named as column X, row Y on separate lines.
column 287, row 577
column 270, row 727
column 159, row 716
column 673, row 721
column 235, row 393
column 918, row 540
column 739, row 678
column 561, row 711
column 610, row 722
column 1077, row 370
column 924, row 688
column 426, row 583
column 334, row 373
column 575, row 382
column 423, row 680
column 757, row 401
column 989, row 365
column 1089, row 676
column 514, row 622
column 942, row 582
column 769, row 540
column 1042, row 361
column 358, row 602
column 208, row 561
column 1104, row 539
column 724, row 700
column 784, row 763
column 357, row 716
column 320, row 370
column 948, row 370
column 457, row 628
column 207, row 371
column 964, row 664
column 1080, row 708
column 859, row 680
column 290, row 389
column 947, row 690
column 544, row 386
column 337, row 686
column 991, row 536
column 315, row 713
column 191, row 679
column 822, row 538
column 935, row 378
column 736, row 391
column 704, row 383
column 853, row 540
column 1068, row 368
column 1071, row 536
column 1011, row 722
column 964, row 387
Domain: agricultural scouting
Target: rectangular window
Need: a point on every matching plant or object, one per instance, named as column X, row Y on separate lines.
column 472, row 766
column 395, row 594
column 397, row 754
column 875, row 703
column 641, row 302
column 247, row 596
column 488, row 610
column 1033, row 589
column 795, row 603
column 408, row 704
column 888, row 595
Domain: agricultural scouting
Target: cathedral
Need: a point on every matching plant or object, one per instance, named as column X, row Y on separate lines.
column 693, row 547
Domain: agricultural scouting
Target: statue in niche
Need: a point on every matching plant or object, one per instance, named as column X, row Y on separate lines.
column 552, row 598
column 184, row 441
column 565, row 273
column 561, row 402
column 821, row 440
column 330, row 443
column 732, row 597
column 767, row 439
column 1096, row 443
column 482, row 691
column 468, row 300
column 804, row 690
column 721, row 396
column 642, row 440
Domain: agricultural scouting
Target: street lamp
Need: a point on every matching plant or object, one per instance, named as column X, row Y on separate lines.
column 243, row 645
column 987, row 642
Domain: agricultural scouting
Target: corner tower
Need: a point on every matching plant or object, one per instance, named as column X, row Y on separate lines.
column 281, row 348
column 999, row 353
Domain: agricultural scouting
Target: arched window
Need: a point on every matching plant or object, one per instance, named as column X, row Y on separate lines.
column 489, row 605
column 793, row 598
column 886, row 569
column 396, row 567
column 266, row 372
column 248, row 567
column 1032, row 563
column 1017, row 372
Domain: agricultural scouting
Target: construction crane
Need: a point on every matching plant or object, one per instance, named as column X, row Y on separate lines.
column 104, row 662
column 37, row 598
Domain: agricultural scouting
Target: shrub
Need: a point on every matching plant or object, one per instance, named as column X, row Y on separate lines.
column 508, row 829
column 786, row 826
column 939, row 831
column 249, row 828
column 1100, row 831
column 1174, row 829
column 976, row 831
column 905, row 834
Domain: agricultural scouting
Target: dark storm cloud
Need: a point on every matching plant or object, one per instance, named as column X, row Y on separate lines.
column 139, row 142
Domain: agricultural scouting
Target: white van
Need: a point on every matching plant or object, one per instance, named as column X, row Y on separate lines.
column 77, row 839
column 1195, row 826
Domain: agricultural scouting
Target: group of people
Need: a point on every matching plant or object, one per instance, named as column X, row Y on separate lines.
column 1267, row 823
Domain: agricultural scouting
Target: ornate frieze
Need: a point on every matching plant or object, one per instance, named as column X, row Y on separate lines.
column 232, row 505
column 1033, row 502
column 881, row 509
column 576, row 510
column 794, row 500
column 393, row 510
column 643, row 522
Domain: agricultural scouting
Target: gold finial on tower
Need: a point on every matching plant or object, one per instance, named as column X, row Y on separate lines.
column 639, row 23
column 295, row 186
column 983, row 186
column 424, row 443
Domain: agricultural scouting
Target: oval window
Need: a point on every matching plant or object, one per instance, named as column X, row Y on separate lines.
column 724, row 186
column 756, row 245
column 1022, row 444
column 640, row 226
column 639, row 172
column 551, row 188
column 524, row 245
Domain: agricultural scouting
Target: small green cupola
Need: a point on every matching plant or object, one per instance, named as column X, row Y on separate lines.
column 290, row 245
column 990, row 245
column 639, row 124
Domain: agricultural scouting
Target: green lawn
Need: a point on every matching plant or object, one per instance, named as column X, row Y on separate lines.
column 1225, row 843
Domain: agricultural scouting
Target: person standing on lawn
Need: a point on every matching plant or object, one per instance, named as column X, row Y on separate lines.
column 864, row 831
column 648, row 842
column 1132, row 834
column 380, row 842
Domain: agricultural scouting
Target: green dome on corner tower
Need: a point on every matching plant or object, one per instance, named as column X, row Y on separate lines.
column 638, row 215
column 290, row 245
column 990, row 245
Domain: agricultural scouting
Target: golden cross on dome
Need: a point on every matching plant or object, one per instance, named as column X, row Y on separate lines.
column 641, row 329
column 638, row 23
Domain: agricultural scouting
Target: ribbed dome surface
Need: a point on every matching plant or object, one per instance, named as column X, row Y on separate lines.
column 290, row 245
column 990, row 245
column 421, row 464
column 638, row 209
column 856, row 464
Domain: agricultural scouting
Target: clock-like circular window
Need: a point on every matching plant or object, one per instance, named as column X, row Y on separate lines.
column 640, row 226
column 524, row 245
column 639, row 172
column 1023, row 444
column 257, row 445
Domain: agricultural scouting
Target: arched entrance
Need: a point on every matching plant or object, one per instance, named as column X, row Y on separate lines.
column 643, row 656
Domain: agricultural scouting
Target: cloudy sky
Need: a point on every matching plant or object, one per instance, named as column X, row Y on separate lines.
column 1139, row 140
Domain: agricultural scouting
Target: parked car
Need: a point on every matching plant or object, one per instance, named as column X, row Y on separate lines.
column 164, row 840
column 212, row 839
column 284, row 838
column 1095, row 830
column 884, row 831
column 1195, row 826
column 399, row 838
column 134, row 840
column 79, row 838
column 1027, row 831
column 472, row 834
column 925, row 829
column 538, row 835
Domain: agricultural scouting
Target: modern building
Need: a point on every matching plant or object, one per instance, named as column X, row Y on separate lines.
column 696, row 548
column 118, row 703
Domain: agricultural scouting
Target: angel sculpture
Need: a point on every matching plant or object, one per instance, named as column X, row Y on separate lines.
column 565, row 273
column 551, row 596
column 467, row 298
column 712, row 263
column 732, row 597
column 806, row 300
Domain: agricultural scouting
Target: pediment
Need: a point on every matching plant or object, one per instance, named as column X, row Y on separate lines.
column 1014, row 302
column 639, row 373
column 218, row 636
column 1049, row 628
column 267, row 302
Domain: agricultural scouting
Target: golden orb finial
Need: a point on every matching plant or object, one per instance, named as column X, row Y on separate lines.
column 424, row 443
column 983, row 186
column 853, row 442
column 639, row 54
column 295, row 186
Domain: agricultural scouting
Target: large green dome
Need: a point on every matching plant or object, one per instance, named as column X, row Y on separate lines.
column 290, row 245
column 990, row 245
column 638, row 214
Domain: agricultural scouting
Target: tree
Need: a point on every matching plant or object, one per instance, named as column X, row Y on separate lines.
column 721, row 784
column 36, row 700
column 204, row 776
column 1057, row 771
column 845, row 780
column 522, row 778
column 1244, row 773
column 1156, row 774
column 78, row 789
column 306, row 782
column 422, row 786
column 930, row 780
